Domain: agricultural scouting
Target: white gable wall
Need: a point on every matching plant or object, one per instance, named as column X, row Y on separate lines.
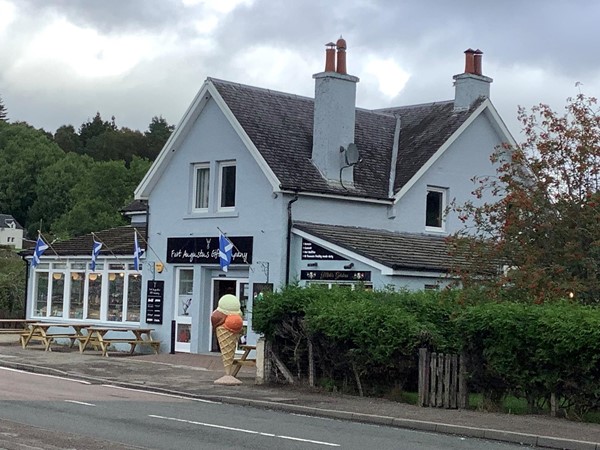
column 257, row 213
column 467, row 157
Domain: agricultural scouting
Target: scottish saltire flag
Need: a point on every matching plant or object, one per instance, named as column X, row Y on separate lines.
column 225, row 249
column 137, row 252
column 40, row 248
column 95, row 252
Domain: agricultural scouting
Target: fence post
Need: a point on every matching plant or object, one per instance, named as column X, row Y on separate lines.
column 311, row 364
column 432, row 377
column 463, row 394
column 424, row 376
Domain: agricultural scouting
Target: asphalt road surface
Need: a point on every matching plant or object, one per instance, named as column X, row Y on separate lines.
column 41, row 411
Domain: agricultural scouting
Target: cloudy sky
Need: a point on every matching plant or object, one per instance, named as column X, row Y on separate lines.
column 61, row 61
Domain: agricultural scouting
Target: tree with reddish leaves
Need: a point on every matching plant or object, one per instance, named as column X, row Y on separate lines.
column 539, row 239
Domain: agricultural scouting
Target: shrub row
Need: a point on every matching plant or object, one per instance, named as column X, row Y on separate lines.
column 368, row 341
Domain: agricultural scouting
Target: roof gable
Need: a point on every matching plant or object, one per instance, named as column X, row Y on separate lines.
column 277, row 129
column 8, row 221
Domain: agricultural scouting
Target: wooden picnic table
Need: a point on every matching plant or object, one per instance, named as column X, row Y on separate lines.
column 14, row 326
column 41, row 331
column 243, row 360
column 103, row 337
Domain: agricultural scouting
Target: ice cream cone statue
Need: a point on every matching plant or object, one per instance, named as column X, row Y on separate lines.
column 228, row 323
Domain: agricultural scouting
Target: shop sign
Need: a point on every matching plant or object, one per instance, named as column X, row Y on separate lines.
column 155, row 294
column 205, row 250
column 312, row 251
column 335, row 275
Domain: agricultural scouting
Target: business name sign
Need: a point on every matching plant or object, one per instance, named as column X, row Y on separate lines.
column 335, row 275
column 205, row 250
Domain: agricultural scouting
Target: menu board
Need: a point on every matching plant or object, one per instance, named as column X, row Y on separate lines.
column 154, row 301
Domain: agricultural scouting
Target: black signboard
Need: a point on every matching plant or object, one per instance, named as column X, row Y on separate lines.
column 335, row 275
column 205, row 250
column 310, row 250
column 154, row 301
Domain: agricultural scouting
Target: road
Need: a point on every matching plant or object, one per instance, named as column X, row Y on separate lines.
column 51, row 412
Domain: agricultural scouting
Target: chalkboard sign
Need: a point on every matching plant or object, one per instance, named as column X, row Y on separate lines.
column 310, row 250
column 154, row 301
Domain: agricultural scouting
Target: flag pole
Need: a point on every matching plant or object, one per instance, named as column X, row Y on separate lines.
column 149, row 246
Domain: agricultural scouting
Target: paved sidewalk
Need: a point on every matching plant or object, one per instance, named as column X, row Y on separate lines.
column 193, row 376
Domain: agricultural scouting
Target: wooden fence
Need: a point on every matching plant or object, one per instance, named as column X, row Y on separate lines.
column 442, row 380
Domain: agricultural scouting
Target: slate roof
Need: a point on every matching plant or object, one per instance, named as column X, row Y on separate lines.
column 281, row 127
column 5, row 219
column 136, row 206
column 116, row 241
column 399, row 251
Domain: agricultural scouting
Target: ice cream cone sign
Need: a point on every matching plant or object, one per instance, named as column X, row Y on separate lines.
column 228, row 323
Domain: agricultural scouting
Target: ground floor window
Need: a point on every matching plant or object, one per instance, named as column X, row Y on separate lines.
column 70, row 290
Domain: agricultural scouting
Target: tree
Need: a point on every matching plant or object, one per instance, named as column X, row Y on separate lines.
column 68, row 139
column 95, row 127
column 24, row 154
column 158, row 133
column 3, row 115
column 543, row 228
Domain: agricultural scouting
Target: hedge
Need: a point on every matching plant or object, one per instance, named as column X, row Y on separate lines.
column 369, row 340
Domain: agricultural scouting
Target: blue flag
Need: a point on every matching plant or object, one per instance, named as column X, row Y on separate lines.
column 40, row 248
column 95, row 252
column 225, row 248
column 137, row 252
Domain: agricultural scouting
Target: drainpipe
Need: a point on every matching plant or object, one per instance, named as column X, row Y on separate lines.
column 289, row 239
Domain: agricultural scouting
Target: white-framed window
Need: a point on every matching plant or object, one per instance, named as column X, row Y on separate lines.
column 227, row 182
column 434, row 209
column 201, row 187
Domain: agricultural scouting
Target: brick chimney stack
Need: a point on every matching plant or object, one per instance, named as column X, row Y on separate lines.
column 471, row 84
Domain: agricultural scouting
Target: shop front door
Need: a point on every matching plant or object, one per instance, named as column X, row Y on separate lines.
column 183, row 308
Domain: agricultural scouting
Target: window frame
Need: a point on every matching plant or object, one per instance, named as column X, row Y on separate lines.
column 196, row 169
column 222, row 166
column 444, row 195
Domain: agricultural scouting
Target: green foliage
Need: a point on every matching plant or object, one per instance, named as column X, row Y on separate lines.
column 3, row 114
column 24, row 154
column 531, row 351
column 12, row 283
column 66, row 192
column 356, row 333
column 543, row 219
column 371, row 340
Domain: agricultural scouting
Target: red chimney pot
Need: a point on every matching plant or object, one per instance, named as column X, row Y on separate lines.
column 330, row 57
column 477, row 56
column 341, row 56
column 469, row 60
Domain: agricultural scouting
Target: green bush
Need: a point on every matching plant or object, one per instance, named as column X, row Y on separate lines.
column 369, row 340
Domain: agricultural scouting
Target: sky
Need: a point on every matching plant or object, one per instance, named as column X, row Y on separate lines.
column 62, row 61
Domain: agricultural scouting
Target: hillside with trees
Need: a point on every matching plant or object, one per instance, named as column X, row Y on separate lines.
column 73, row 181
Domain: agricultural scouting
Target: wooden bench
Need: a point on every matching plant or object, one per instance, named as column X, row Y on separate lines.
column 39, row 331
column 243, row 360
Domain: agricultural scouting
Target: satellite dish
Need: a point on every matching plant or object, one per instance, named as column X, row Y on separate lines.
column 352, row 156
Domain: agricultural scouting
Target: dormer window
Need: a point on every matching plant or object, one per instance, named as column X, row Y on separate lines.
column 227, row 175
column 434, row 209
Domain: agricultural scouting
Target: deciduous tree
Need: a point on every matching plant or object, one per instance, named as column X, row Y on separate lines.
column 543, row 228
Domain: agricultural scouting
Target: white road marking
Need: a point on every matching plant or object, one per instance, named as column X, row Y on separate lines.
column 242, row 430
column 201, row 400
column 45, row 375
column 80, row 403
